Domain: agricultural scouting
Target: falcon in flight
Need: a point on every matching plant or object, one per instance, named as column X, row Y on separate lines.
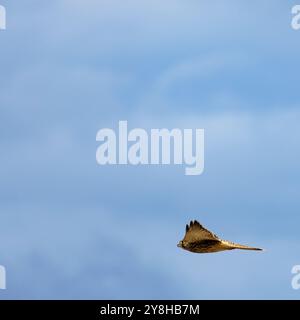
column 200, row 240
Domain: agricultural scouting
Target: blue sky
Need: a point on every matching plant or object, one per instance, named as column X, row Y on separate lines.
column 72, row 229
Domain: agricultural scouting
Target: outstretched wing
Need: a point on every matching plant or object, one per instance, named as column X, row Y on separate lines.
column 196, row 232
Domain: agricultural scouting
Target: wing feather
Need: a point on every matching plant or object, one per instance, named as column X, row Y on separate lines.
column 196, row 232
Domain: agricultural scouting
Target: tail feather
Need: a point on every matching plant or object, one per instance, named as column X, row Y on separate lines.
column 232, row 245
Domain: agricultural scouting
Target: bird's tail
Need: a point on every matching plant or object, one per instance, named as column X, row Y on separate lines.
column 232, row 245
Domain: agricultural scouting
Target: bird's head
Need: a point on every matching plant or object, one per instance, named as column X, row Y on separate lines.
column 180, row 244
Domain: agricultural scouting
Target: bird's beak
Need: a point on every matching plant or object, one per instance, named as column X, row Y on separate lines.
column 179, row 245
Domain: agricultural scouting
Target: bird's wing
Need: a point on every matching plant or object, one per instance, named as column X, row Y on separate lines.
column 196, row 232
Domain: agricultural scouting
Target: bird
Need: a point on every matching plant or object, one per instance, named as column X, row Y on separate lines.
column 197, row 239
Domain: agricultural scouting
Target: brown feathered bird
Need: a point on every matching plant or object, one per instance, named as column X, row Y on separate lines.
column 200, row 240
